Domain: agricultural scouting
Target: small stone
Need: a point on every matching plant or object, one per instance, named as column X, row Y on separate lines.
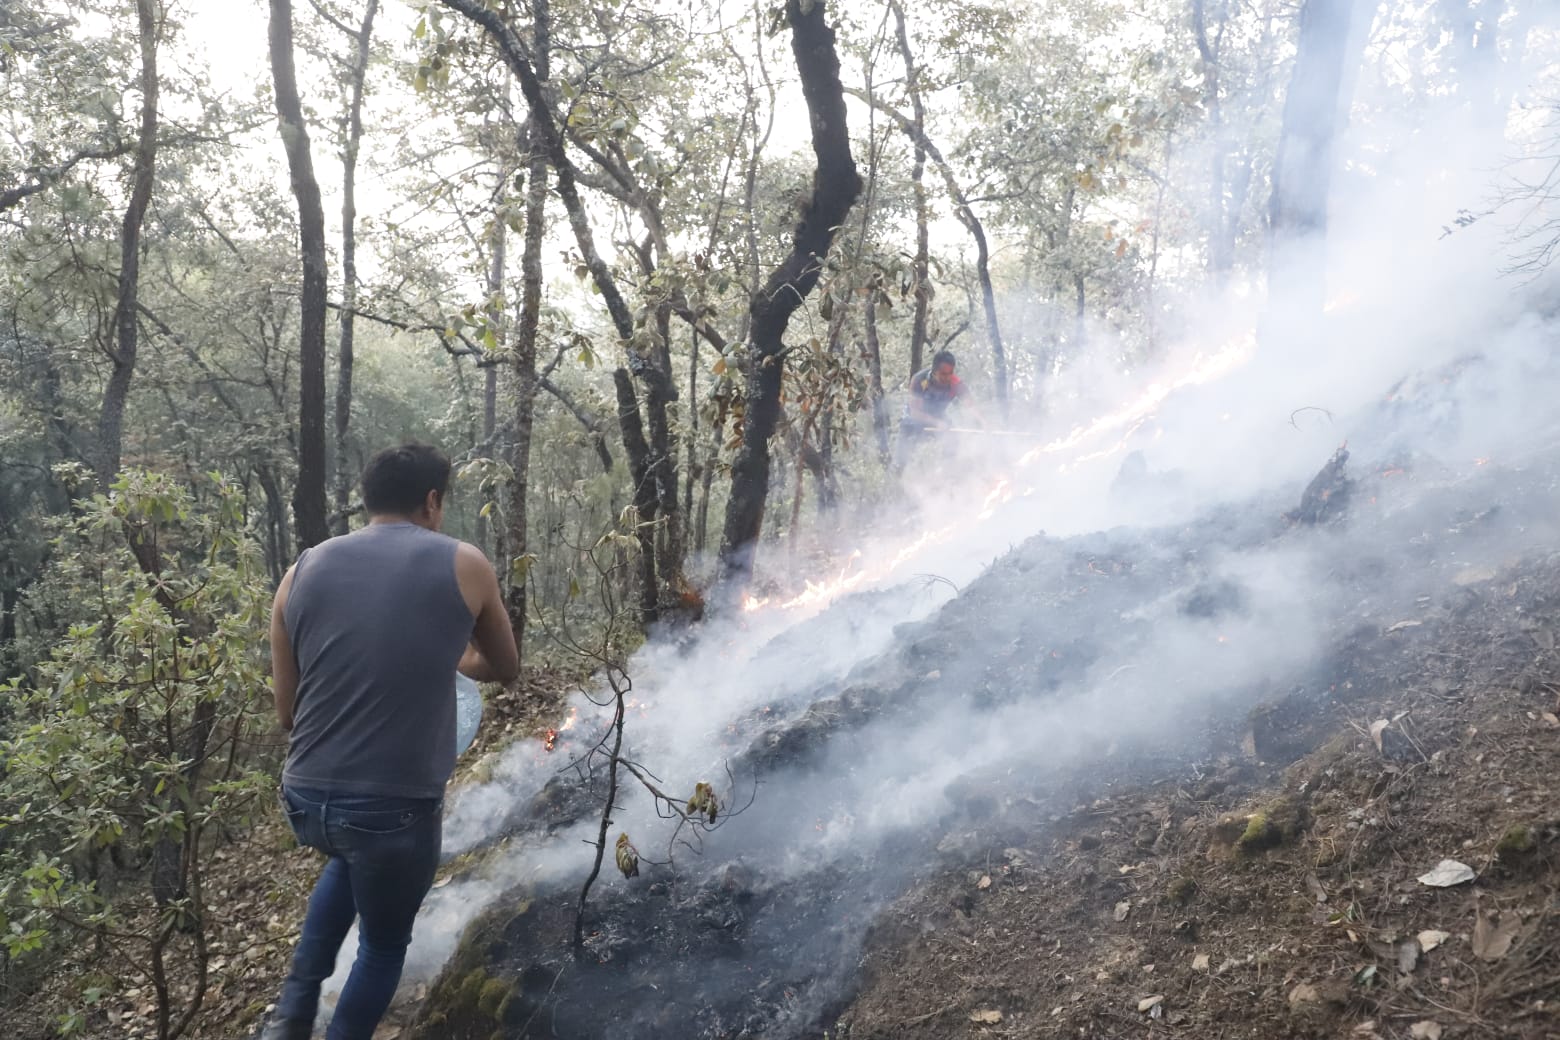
column 1200, row 962
column 1148, row 1004
column 1305, row 993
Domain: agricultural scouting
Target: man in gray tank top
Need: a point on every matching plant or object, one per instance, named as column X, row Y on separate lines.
column 367, row 632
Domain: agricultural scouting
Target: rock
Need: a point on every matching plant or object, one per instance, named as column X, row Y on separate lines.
column 1318, row 1001
column 1516, row 845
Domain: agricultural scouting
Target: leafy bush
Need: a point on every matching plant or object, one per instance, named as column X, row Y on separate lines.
column 130, row 748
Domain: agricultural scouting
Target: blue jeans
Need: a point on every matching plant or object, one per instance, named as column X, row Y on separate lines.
column 383, row 854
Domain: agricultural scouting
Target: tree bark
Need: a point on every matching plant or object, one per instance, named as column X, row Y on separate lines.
column 524, row 352
column 1221, row 258
column 345, row 478
column 309, row 495
column 126, row 319
column 638, row 450
column 835, row 187
column 1302, row 167
column 920, row 265
column 874, row 355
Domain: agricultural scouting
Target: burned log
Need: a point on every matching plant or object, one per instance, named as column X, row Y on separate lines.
column 1326, row 497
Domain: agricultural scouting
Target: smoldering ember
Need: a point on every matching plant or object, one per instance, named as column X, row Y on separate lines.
column 976, row 520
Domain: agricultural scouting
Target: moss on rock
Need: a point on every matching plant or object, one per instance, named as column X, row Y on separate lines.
column 1516, row 844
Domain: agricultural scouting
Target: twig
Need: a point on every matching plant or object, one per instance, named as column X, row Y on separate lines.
column 1308, row 408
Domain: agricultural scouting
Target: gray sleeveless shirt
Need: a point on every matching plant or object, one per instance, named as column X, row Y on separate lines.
column 378, row 625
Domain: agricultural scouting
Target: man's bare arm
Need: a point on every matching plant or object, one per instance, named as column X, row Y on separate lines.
column 492, row 655
column 284, row 664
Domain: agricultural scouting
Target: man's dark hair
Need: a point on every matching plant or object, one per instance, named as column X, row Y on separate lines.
column 397, row 480
column 944, row 357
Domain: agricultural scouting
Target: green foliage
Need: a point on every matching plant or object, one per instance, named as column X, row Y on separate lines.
column 133, row 737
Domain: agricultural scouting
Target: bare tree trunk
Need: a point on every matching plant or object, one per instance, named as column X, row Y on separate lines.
column 126, row 319
column 498, row 260
column 920, row 266
column 1220, row 248
column 309, row 495
column 1302, row 167
column 874, row 355
column 660, row 391
column 638, row 451
column 345, row 478
column 526, row 383
column 835, row 187
column 692, row 444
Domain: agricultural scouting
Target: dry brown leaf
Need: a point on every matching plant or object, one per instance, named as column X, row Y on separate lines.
column 1447, row 873
column 984, row 882
column 1492, row 941
column 1550, row 720
column 987, row 1017
column 1430, row 938
column 1426, row 1030
column 1149, row 1003
column 1200, row 962
column 1376, row 729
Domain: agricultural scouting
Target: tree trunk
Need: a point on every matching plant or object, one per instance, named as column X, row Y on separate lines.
column 126, row 319
column 1221, row 257
column 498, row 260
column 835, row 187
column 692, row 444
column 1302, row 167
column 638, row 451
column 874, row 355
column 526, row 382
column 920, row 266
column 309, row 495
column 345, row 478
column 659, row 393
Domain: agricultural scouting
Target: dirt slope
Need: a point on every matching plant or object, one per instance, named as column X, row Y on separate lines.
column 1272, row 893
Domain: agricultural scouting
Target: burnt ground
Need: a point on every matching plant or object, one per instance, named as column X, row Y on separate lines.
column 1254, row 869
column 1159, row 908
column 1250, row 874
